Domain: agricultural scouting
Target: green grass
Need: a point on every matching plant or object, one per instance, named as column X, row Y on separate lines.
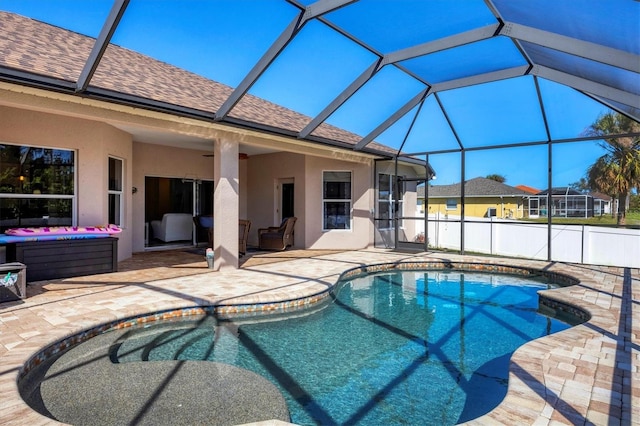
column 633, row 220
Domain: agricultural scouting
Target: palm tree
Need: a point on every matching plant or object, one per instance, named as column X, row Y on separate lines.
column 618, row 170
column 496, row 177
column 581, row 185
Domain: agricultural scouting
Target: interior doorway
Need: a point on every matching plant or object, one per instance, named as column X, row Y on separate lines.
column 286, row 199
column 185, row 197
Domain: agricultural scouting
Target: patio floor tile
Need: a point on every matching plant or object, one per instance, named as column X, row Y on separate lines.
column 585, row 375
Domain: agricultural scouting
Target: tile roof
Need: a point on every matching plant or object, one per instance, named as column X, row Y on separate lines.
column 476, row 187
column 528, row 189
column 35, row 47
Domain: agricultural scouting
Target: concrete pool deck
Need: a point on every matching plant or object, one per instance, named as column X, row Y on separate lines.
column 585, row 375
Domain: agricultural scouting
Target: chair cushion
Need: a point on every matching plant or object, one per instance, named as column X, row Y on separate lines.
column 206, row 221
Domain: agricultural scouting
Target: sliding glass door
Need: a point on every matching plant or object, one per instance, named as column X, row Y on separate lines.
column 174, row 195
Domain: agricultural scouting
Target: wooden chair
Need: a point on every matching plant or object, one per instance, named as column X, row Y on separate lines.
column 204, row 226
column 277, row 237
column 243, row 236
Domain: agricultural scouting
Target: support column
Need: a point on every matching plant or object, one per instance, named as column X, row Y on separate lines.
column 226, row 205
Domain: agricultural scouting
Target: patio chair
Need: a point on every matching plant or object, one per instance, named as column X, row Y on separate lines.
column 243, row 236
column 204, row 228
column 277, row 237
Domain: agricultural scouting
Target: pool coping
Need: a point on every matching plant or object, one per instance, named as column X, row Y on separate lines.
column 533, row 366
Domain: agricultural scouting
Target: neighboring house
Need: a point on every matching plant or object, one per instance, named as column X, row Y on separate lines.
column 569, row 202
column 72, row 160
column 602, row 204
column 483, row 198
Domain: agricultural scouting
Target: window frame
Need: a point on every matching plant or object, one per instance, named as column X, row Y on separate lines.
column 447, row 205
column 115, row 193
column 349, row 221
column 46, row 220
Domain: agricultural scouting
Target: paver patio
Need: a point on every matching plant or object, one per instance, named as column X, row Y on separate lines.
column 585, row 375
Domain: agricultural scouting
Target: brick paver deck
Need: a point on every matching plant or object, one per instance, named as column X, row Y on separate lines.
column 584, row 375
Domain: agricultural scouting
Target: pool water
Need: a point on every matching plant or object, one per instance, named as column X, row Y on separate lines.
column 409, row 347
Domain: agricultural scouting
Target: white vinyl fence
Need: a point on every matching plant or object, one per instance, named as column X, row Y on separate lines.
column 595, row 245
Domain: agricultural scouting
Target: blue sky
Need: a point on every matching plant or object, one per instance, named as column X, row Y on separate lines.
column 223, row 39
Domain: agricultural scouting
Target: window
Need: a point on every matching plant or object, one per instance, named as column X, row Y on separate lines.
column 336, row 200
column 115, row 191
column 37, row 186
column 452, row 204
column 387, row 201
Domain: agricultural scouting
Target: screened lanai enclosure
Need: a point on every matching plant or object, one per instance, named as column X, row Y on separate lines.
column 453, row 90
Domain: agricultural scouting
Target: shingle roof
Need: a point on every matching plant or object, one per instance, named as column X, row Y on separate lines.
column 564, row 190
column 561, row 190
column 477, row 187
column 36, row 47
column 600, row 196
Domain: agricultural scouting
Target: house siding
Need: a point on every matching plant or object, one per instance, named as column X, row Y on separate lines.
column 477, row 206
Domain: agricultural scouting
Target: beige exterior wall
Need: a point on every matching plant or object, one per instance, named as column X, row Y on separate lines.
column 477, row 206
column 259, row 176
column 243, row 168
column 264, row 173
column 361, row 233
column 162, row 161
column 93, row 142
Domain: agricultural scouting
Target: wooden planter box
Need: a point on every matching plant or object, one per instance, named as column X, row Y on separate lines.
column 48, row 260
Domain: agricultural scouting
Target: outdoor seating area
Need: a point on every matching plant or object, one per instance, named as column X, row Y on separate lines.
column 204, row 226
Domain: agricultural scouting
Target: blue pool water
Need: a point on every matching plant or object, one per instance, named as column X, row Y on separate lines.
column 412, row 347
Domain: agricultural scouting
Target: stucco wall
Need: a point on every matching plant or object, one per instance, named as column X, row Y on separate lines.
column 93, row 142
column 162, row 161
column 266, row 171
column 262, row 177
column 361, row 233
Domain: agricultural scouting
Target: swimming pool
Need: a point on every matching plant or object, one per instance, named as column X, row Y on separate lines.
column 401, row 347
